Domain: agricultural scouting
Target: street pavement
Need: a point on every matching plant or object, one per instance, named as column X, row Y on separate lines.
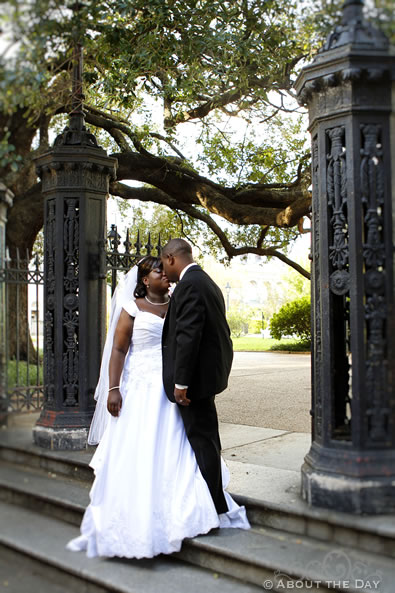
column 268, row 389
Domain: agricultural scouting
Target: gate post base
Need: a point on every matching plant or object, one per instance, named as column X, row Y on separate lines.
column 357, row 494
column 64, row 430
column 61, row 439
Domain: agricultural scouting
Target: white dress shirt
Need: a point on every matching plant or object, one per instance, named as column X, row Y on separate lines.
column 185, row 269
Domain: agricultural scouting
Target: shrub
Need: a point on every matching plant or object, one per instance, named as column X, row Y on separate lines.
column 236, row 323
column 255, row 326
column 293, row 319
column 302, row 346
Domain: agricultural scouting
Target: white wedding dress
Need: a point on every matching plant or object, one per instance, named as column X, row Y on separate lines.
column 148, row 493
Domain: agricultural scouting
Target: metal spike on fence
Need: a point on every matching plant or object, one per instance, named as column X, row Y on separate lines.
column 138, row 244
column 127, row 243
column 159, row 246
column 149, row 245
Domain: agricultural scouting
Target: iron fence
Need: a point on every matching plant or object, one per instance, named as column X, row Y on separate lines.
column 122, row 261
column 22, row 283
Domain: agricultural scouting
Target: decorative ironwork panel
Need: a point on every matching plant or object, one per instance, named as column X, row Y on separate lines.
column 70, row 302
column 337, row 202
column 339, row 280
column 372, row 187
column 49, row 320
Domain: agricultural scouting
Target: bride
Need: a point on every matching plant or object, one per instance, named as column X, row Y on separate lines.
column 148, row 493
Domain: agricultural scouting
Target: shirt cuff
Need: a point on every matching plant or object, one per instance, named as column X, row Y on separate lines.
column 181, row 386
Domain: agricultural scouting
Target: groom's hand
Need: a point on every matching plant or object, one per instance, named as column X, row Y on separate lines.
column 180, row 395
column 114, row 402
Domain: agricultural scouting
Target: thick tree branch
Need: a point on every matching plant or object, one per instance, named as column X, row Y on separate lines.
column 120, row 139
column 205, row 108
column 112, row 123
column 152, row 194
column 269, row 207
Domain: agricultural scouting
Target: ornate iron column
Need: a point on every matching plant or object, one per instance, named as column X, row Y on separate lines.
column 351, row 464
column 6, row 201
column 75, row 178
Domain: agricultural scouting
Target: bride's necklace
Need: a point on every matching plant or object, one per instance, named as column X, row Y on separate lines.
column 151, row 303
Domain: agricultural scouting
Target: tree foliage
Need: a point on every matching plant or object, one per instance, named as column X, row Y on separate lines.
column 193, row 97
column 293, row 319
column 236, row 322
column 244, row 319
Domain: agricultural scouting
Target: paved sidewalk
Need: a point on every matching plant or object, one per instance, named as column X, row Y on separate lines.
column 264, row 463
column 269, row 390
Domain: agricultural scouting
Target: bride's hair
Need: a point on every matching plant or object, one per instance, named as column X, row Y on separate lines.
column 145, row 266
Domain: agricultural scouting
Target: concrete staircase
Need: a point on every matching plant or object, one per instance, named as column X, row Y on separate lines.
column 43, row 495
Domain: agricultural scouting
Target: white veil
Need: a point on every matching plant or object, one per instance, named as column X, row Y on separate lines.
column 122, row 295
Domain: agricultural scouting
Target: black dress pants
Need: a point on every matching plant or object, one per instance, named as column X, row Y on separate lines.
column 201, row 426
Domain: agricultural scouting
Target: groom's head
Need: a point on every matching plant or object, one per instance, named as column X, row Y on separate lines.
column 175, row 255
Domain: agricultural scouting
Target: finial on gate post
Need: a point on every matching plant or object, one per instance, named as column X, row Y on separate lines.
column 352, row 11
column 75, row 132
column 77, row 120
column 353, row 30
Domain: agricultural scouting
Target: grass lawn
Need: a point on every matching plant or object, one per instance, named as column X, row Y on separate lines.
column 258, row 344
column 22, row 375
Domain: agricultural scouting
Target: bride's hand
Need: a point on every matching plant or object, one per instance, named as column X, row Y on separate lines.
column 114, row 402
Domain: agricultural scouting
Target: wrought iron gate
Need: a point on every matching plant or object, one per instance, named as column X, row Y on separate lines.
column 22, row 282
column 122, row 261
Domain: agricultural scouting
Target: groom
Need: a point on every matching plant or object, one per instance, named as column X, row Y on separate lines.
column 197, row 358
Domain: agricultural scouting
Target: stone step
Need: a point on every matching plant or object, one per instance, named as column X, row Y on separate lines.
column 273, row 499
column 366, row 533
column 37, row 543
column 47, row 493
column 16, row 446
column 19, row 573
column 253, row 556
column 291, row 514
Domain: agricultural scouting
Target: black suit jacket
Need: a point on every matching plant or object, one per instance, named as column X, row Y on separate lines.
column 196, row 345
